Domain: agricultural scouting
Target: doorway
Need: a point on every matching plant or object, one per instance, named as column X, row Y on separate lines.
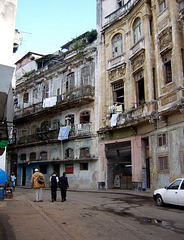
column 23, row 175
column 119, row 165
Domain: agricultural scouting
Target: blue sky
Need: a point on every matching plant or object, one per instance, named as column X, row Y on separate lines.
column 46, row 25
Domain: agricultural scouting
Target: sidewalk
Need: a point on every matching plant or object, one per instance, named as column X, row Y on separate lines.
column 146, row 193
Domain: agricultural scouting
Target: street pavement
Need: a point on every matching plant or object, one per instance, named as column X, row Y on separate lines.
column 88, row 215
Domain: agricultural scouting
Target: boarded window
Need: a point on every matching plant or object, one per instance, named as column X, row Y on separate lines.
column 163, row 166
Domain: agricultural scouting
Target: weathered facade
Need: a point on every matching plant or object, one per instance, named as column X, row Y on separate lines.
column 141, row 92
column 55, row 114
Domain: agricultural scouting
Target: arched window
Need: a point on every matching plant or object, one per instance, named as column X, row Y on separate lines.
column 137, row 30
column 32, row 156
column 84, row 152
column 23, row 157
column 70, row 82
column 85, row 117
column 69, row 153
column 43, row 155
column 117, row 47
column 33, row 129
column 55, row 124
column 85, row 75
column 69, row 120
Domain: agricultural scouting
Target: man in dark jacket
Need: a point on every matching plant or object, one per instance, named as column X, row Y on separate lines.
column 63, row 184
column 54, row 182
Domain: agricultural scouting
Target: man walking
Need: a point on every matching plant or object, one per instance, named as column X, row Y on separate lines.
column 37, row 182
column 54, row 182
column 63, row 184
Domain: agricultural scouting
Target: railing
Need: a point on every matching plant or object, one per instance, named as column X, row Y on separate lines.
column 79, row 129
column 116, row 60
column 79, row 93
column 139, row 45
column 121, row 11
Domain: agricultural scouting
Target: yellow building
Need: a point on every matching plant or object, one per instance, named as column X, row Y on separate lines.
column 140, row 89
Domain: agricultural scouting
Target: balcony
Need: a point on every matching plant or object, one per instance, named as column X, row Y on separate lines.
column 121, row 12
column 52, row 135
column 116, row 61
column 79, row 95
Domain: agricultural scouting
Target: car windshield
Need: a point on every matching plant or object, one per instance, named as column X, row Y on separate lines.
column 174, row 185
column 182, row 185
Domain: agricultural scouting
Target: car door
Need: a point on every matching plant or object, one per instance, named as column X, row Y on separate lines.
column 181, row 194
column 171, row 193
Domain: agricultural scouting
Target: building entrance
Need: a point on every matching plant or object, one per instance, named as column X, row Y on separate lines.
column 119, row 165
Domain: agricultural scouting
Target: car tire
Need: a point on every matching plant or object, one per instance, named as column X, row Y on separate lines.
column 159, row 200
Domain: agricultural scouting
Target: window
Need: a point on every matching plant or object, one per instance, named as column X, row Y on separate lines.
column 33, row 129
column 69, row 120
column 26, row 97
column 167, row 67
column 55, row 124
column 85, row 117
column 117, row 45
column 162, row 140
column 162, row 5
column 175, row 185
column 69, row 153
column 23, row 157
column 43, row 155
column 43, row 169
column 181, row 5
column 69, row 168
column 137, row 30
column 118, row 94
column 163, row 164
column 45, row 126
column 140, row 95
column 46, row 91
column 35, row 93
column 32, row 156
column 70, row 82
column 84, row 152
column 85, row 75
column 83, row 166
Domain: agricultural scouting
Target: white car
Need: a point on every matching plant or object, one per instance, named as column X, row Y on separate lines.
column 173, row 194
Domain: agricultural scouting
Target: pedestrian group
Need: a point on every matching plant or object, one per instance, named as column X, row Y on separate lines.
column 38, row 182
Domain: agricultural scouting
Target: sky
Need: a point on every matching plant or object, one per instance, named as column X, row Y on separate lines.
column 46, row 25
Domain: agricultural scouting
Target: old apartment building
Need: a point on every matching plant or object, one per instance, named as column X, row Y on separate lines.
column 111, row 118
column 141, row 89
column 55, row 114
